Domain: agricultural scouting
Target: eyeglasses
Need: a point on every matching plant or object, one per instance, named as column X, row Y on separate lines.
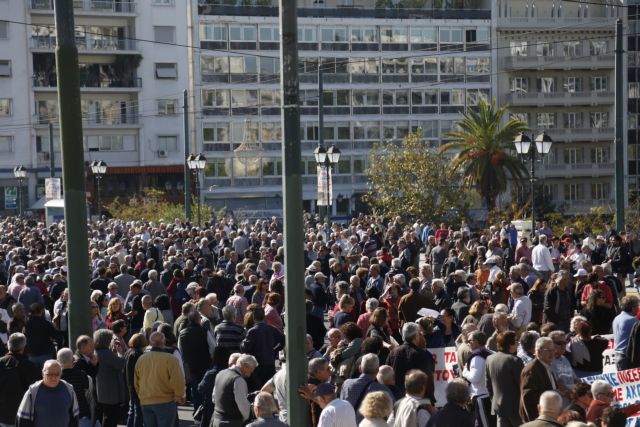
column 547, row 349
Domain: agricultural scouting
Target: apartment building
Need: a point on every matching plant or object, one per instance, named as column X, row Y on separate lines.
column 556, row 71
column 633, row 101
column 133, row 69
column 386, row 71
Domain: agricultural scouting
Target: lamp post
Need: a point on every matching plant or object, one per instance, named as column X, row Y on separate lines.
column 326, row 159
column 197, row 163
column 99, row 169
column 20, row 172
column 524, row 146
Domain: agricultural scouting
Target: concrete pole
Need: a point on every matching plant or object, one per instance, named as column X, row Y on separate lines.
column 295, row 312
column 73, row 178
column 187, row 177
column 52, row 165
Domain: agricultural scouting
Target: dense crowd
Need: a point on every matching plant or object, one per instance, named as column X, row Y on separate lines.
column 182, row 314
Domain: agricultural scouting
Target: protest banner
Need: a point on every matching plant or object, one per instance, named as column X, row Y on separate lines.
column 608, row 356
column 446, row 359
column 626, row 389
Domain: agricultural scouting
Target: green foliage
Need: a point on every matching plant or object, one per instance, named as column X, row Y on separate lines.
column 384, row 4
column 411, row 4
column 483, row 151
column 155, row 207
column 412, row 182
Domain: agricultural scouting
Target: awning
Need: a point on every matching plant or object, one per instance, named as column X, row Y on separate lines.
column 137, row 170
column 39, row 204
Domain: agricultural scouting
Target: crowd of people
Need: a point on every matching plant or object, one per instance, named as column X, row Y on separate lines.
column 182, row 314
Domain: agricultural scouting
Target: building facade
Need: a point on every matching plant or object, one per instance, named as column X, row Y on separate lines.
column 556, row 71
column 133, row 69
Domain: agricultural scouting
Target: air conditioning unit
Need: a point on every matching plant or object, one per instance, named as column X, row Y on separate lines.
column 162, row 153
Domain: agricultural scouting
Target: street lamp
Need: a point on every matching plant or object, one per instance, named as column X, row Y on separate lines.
column 326, row 159
column 99, row 169
column 20, row 172
column 524, row 146
column 197, row 163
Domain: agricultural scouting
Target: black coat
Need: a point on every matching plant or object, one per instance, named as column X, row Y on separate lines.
column 17, row 373
column 195, row 349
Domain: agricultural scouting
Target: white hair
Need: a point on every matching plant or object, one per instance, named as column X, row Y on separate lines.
column 371, row 304
column 385, row 374
column 600, row 387
column 246, row 360
column 369, row 364
column 542, row 341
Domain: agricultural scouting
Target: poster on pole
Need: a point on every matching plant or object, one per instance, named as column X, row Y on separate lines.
column 53, row 189
column 324, row 181
column 10, row 197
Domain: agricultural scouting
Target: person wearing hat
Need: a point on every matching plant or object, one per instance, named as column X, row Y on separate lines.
column 335, row 412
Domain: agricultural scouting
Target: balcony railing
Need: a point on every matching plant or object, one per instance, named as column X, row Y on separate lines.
column 95, row 45
column 591, row 169
column 580, row 61
column 50, row 81
column 94, row 6
column 93, row 120
column 580, row 134
column 560, row 98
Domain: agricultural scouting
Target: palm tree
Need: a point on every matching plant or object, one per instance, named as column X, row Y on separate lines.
column 482, row 148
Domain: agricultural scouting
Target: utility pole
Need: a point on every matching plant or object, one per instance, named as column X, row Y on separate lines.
column 52, row 165
column 533, row 187
column 71, row 144
column 295, row 313
column 321, row 126
column 619, row 141
column 187, row 176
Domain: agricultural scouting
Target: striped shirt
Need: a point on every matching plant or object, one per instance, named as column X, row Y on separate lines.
column 229, row 335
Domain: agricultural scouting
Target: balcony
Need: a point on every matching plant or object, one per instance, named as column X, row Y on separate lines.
column 98, row 7
column 102, row 45
column 558, row 62
column 568, row 170
column 581, row 134
column 93, row 120
column 538, row 22
column 540, row 99
column 49, row 82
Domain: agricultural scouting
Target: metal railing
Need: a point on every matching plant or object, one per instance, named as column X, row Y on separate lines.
column 106, row 44
column 95, row 6
column 50, row 81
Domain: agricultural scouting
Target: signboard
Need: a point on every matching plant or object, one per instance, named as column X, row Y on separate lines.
column 10, row 197
column 445, row 358
column 324, row 181
column 626, row 389
column 608, row 356
column 52, row 189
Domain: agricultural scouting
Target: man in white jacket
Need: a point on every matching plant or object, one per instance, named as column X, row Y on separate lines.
column 474, row 371
column 541, row 259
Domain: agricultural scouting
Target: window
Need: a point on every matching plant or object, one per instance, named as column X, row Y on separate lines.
column 269, row 65
column 271, row 132
column 477, row 35
column 429, row 128
column 364, row 35
column 572, row 84
column 108, row 143
column 337, row 131
column 214, row 65
column 450, row 35
column 271, row 166
column 215, row 98
column 634, row 90
column 334, row 65
column 164, row 2
column 633, row 121
column 306, row 34
column 334, row 98
column 213, row 32
column 478, row 65
column 6, row 144
column 452, row 96
column 271, row 98
column 333, row 35
column 573, row 192
column 573, row 120
column 523, row 117
column 599, row 119
column 518, row 48
column 244, row 98
column 309, row 131
column 215, row 133
column 216, row 168
column 164, row 34
column 168, row 142
column 165, row 70
column 309, row 65
column 5, row 107
column 243, row 65
column 423, row 35
column 452, row 65
column 366, row 130
column 5, row 68
column 395, row 66
column 424, row 97
column 573, row 156
column 364, row 66
column 519, row 84
column 598, row 47
column 600, row 155
column 366, row 98
column 424, row 66
column 599, row 84
column 359, row 164
column 242, row 33
column 167, row 107
column 4, row 30
column 571, row 48
column 475, row 95
column 544, row 49
column 546, row 120
column 395, row 130
column 395, row 97
column 599, row 191
column 393, row 34
column 344, row 166
column 546, row 84
column 269, row 33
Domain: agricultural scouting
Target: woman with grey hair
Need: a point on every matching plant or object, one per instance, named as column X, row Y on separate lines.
column 110, row 381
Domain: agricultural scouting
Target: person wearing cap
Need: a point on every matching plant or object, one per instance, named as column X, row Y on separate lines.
column 335, row 412
column 319, row 295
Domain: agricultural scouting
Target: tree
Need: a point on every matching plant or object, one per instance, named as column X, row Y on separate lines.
column 412, row 182
column 483, row 151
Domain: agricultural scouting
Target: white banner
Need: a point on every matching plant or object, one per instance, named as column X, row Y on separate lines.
column 324, row 181
column 52, row 188
column 445, row 358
